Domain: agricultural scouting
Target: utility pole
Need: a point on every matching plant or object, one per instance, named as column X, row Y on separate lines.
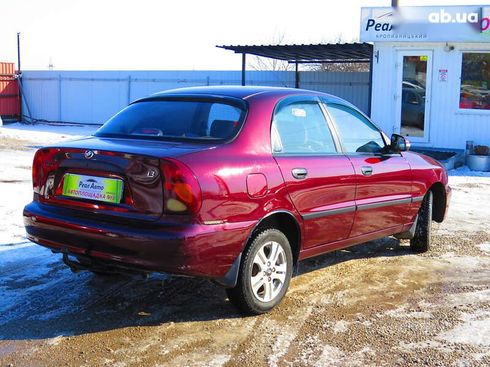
column 19, row 81
column 18, row 52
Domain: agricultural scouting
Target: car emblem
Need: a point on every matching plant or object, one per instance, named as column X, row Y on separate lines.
column 89, row 154
column 151, row 173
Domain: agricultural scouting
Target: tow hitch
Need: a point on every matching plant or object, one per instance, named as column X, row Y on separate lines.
column 87, row 263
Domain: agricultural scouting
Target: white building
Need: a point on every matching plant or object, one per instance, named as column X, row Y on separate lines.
column 431, row 73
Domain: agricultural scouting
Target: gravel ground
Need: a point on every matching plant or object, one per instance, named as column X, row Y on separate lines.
column 373, row 304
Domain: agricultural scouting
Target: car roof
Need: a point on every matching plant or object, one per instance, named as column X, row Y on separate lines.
column 242, row 92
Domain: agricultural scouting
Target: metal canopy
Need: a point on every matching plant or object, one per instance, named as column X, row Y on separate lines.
column 317, row 53
column 311, row 54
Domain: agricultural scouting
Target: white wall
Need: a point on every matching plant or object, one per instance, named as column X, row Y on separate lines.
column 92, row 97
column 449, row 127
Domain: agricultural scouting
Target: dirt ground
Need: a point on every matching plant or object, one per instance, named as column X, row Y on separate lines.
column 375, row 304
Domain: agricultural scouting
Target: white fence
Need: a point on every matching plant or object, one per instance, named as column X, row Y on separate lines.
column 91, row 97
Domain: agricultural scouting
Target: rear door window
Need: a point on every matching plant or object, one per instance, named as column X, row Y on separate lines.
column 301, row 128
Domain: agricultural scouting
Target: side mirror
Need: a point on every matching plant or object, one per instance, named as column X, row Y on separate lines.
column 399, row 143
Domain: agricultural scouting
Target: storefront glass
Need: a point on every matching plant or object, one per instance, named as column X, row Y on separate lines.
column 413, row 95
column 475, row 81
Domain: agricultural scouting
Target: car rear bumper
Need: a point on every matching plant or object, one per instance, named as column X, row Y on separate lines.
column 186, row 249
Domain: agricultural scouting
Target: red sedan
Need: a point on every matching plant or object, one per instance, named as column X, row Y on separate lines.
column 234, row 184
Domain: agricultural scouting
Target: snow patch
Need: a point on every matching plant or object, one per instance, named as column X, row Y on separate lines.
column 218, row 361
column 55, row 341
column 333, row 356
column 284, row 339
column 475, row 330
column 43, row 134
column 480, row 356
column 485, row 247
column 330, row 356
column 465, row 171
column 281, row 346
column 14, row 246
column 469, row 298
column 15, row 172
column 433, row 344
column 118, row 364
column 465, row 262
column 403, row 312
column 341, row 326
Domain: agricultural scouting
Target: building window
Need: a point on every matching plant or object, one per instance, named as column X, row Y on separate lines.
column 475, row 81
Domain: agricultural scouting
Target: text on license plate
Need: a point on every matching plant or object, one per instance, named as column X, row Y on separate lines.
column 93, row 188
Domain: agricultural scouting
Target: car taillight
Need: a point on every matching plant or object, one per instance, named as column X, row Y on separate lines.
column 181, row 191
column 45, row 162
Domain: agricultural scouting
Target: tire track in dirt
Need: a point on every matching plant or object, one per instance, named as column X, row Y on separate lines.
column 270, row 337
column 335, row 308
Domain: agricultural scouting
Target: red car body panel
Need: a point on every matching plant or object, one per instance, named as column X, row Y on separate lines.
column 330, row 185
column 241, row 183
column 390, row 181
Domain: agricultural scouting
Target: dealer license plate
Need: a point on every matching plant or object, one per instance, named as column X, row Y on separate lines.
column 94, row 188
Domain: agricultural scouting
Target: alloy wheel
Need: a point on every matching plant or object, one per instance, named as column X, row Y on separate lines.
column 269, row 270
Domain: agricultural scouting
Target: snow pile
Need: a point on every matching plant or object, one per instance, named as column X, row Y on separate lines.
column 15, row 172
column 43, row 134
column 465, row 171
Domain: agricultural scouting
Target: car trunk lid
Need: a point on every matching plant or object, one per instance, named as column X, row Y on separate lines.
column 108, row 177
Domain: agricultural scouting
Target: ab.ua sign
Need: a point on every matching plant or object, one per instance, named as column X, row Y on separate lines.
column 426, row 24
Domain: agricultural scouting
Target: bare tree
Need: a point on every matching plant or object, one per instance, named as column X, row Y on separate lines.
column 340, row 66
column 265, row 63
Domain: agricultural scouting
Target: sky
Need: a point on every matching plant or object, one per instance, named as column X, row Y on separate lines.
column 170, row 35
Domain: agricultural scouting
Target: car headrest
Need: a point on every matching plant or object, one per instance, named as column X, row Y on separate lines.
column 222, row 129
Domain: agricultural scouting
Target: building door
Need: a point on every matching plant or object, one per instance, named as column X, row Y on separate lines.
column 414, row 75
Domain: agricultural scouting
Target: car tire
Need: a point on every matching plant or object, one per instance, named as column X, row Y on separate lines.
column 422, row 239
column 264, row 275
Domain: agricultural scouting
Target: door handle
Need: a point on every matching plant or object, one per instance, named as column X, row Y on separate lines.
column 299, row 173
column 367, row 170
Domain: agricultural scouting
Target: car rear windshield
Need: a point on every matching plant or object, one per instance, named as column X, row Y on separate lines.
column 176, row 120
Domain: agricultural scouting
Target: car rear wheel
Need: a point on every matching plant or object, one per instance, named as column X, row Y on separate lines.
column 422, row 239
column 265, row 273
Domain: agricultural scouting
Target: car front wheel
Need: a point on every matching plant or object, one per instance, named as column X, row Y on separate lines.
column 422, row 239
column 265, row 273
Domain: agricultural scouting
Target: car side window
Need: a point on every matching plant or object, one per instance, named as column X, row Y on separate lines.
column 301, row 128
column 357, row 134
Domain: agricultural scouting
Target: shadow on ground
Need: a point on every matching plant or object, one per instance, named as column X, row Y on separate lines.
column 41, row 298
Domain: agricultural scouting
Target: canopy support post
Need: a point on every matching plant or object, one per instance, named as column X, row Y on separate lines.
column 370, row 93
column 296, row 75
column 244, row 63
